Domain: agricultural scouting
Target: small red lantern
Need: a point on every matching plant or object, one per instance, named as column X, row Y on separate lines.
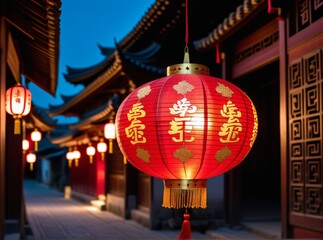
column 185, row 128
column 18, row 104
column 25, row 145
column 31, row 159
column 36, row 137
column 102, row 148
column 76, row 156
column 110, row 134
column 69, row 157
column 90, row 151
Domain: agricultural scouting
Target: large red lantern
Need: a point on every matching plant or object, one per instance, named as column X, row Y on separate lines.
column 186, row 128
column 18, row 104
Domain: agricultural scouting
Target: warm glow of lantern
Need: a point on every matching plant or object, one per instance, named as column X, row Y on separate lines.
column 18, row 104
column 185, row 128
column 25, row 145
column 70, row 157
column 90, row 151
column 110, row 134
column 31, row 159
column 76, row 156
column 36, row 137
column 102, row 148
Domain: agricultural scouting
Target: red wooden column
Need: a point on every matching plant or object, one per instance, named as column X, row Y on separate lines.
column 3, row 61
column 283, row 123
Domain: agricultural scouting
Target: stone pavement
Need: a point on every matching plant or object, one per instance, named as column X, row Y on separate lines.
column 52, row 217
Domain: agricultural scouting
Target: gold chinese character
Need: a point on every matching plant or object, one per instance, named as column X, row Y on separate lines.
column 182, row 107
column 179, row 126
column 231, row 129
column 135, row 130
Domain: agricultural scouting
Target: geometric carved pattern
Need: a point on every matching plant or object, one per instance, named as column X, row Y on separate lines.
column 296, row 150
column 312, row 101
column 296, row 104
column 296, row 172
column 256, row 47
column 305, row 86
column 295, row 75
column 296, row 130
column 314, row 201
column 313, row 126
column 313, row 148
column 297, row 199
column 313, row 169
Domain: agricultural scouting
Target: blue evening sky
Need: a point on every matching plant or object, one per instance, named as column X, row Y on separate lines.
column 84, row 25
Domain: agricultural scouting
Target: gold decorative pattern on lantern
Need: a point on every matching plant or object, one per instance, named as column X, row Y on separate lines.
column 222, row 154
column 255, row 125
column 183, row 87
column 231, row 129
column 143, row 154
column 136, row 127
column 183, row 154
column 143, row 92
column 224, row 90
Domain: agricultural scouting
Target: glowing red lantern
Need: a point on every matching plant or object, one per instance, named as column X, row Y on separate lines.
column 70, row 157
column 90, row 151
column 185, row 128
column 36, row 137
column 102, row 147
column 110, row 134
column 31, row 159
column 18, row 104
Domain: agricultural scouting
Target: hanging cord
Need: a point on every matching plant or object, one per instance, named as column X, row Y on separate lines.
column 186, row 53
column 186, row 23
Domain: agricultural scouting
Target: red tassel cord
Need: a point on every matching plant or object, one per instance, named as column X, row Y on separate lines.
column 186, row 228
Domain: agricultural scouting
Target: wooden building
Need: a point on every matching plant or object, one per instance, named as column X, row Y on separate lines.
column 271, row 50
column 29, row 49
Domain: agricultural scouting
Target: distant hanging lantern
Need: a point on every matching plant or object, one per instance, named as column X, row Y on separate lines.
column 70, row 157
column 110, row 134
column 31, row 159
column 76, row 156
column 25, row 145
column 102, row 148
column 90, row 151
column 18, row 104
column 36, row 137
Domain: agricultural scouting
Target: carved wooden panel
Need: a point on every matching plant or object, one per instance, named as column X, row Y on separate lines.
column 305, row 85
column 304, row 14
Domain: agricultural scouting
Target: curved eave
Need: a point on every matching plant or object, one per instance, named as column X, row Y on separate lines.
column 230, row 23
column 154, row 21
column 82, row 75
column 39, row 119
column 96, row 117
column 37, row 33
column 102, row 79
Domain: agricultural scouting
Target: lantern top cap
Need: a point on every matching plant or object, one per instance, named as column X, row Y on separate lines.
column 188, row 68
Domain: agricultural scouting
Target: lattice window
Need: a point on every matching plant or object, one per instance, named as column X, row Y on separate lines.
column 305, row 13
column 305, row 85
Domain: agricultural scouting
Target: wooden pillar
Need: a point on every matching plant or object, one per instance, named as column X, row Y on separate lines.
column 3, row 48
column 283, row 118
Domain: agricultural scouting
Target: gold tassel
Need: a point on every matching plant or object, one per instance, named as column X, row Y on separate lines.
column 185, row 194
column 17, row 126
